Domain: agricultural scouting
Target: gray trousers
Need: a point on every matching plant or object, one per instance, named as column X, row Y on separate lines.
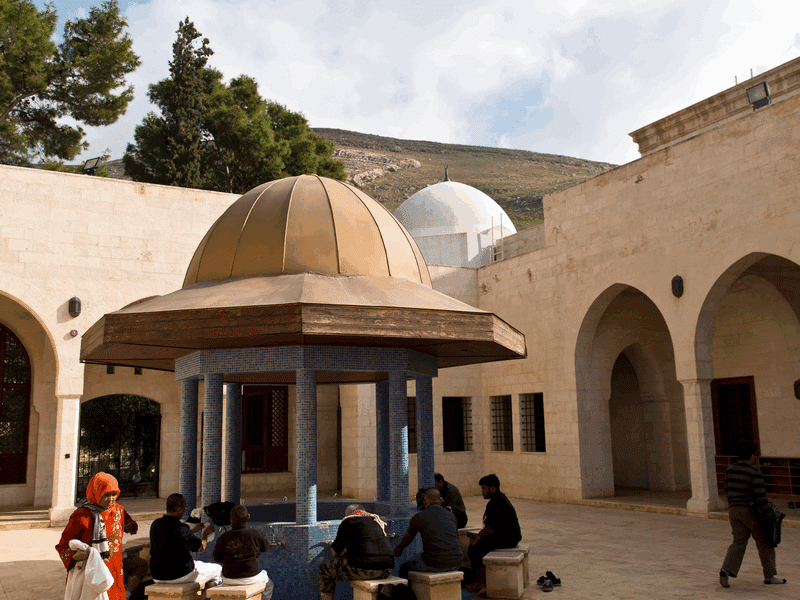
column 743, row 525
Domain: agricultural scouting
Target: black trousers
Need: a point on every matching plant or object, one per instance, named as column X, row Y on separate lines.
column 483, row 546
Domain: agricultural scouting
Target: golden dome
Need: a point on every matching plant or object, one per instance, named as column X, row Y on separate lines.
column 306, row 224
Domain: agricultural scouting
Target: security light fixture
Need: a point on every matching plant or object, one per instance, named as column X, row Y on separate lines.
column 758, row 95
column 677, row 286
column 74, row 307
column 91, row 165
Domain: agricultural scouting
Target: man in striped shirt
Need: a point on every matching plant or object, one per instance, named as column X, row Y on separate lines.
column 744, row 487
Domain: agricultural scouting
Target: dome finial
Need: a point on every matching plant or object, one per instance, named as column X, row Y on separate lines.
column 446, row 176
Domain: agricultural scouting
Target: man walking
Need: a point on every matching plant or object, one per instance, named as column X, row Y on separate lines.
column 361, row 551
column 437, row 527
column 500, row 529
column 744, row 487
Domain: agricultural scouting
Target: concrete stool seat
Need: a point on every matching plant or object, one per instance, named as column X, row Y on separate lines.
column 237, row 592
column 465, row 535
column 436, row 586
column 504, row 574
column 368, row 589
column 525, row 549
column 183, row 591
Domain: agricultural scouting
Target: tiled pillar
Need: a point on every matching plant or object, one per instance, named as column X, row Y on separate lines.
column 382, row 439
column 211, row 488
column 398, row 444
column 187, row 476
column 233, row 442
column 67, row 418
column 425, row 460
column 306, row 447
column 702, row 449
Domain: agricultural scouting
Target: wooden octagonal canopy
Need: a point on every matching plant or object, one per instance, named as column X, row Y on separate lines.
column 302, row 261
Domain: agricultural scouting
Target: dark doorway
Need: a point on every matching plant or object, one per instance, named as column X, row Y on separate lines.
column 15, row 408
column 120, row 434
column 734, row 405
column 265, row 428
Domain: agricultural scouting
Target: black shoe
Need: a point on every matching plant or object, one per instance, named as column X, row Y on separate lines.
column 775, row 580
column 547, row 586
column 553, row 579
column 541, row 580
column 723, row 579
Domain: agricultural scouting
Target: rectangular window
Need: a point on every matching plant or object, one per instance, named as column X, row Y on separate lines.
column 502, row 428
column 412, row 424
column 531, row 408
column 265, row 425
column 456, row 424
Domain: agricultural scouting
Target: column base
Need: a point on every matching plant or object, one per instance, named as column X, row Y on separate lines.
column 59, row 515
column 700, row 507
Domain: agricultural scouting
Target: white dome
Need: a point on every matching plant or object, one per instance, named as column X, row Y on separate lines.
column 449, row 207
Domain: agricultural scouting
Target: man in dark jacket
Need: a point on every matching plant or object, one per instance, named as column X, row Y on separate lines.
column 500, row 528
column 451, row 498
column 436, row 525
column 171, row 544
column 238, row 551
column 744, row 487
column 361, row 551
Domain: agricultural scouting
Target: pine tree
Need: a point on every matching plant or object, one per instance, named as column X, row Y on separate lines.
column 40, row 82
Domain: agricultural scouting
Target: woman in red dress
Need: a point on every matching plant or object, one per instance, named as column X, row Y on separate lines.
column 99, row 522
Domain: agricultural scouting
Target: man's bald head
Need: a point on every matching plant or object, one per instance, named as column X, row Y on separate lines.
column 432, row 496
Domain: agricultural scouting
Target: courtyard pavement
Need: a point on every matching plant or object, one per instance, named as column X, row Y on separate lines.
column 597, row 552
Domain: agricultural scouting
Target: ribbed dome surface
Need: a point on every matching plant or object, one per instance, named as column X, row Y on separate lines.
column 306, row 224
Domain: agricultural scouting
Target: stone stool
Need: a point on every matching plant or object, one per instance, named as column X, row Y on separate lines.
column 368, row 589
column 504, row 574
column 465, row 536
column 436, row 586
column 525, row 549
column 173, row 591
column 237, row 592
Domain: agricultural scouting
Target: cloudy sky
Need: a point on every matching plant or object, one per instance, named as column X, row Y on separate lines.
column 567, row 77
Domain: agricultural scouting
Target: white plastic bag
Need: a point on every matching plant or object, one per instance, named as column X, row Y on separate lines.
column 89, row 579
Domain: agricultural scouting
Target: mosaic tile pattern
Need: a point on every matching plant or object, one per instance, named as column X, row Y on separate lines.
column 233, row 443
column 398, row 436
column 425, row 459
column 306, row 447
column 291, row 358
column 211, row 490
column 187, row 476
column 382, row 439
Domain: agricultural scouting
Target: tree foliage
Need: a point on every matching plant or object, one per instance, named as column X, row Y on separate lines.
column 218, row 136
column 40, row 82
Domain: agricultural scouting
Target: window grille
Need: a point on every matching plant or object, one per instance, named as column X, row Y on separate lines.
column 532, row 422
column 265, row 438
column 502, row 428
column 412, row 424
column 456, row 424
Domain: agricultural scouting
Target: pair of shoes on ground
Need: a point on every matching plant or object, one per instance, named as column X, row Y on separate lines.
column 723, row 579
column 475, row 586
column 547, row 581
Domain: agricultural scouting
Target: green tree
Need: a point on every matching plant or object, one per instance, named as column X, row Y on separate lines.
column 40, row 82
column 220, row 137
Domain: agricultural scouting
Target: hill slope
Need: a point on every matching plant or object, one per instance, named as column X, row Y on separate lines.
column 390, row 170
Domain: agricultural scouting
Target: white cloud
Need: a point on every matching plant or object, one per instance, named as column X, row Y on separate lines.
column 565, row 78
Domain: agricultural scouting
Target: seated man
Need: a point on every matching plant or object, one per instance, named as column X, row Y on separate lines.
column 500, row 529
column 361, row 551
column 451, row 498
column 171, row 542
column 238, row 551
column 440, row 548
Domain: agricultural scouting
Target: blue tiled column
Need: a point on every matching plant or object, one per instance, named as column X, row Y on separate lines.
column 398, row 446
column 187, row 476
column 211, row 488
column 425, row 461
column 233, row 442
column 306, row 447
column 382, row 439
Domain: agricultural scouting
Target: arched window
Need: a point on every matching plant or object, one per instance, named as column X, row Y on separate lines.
column 15, row 401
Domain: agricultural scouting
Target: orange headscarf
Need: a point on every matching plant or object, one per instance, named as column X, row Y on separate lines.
column 99, row 485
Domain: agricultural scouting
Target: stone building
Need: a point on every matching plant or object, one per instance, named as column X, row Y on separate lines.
column 659, row 301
